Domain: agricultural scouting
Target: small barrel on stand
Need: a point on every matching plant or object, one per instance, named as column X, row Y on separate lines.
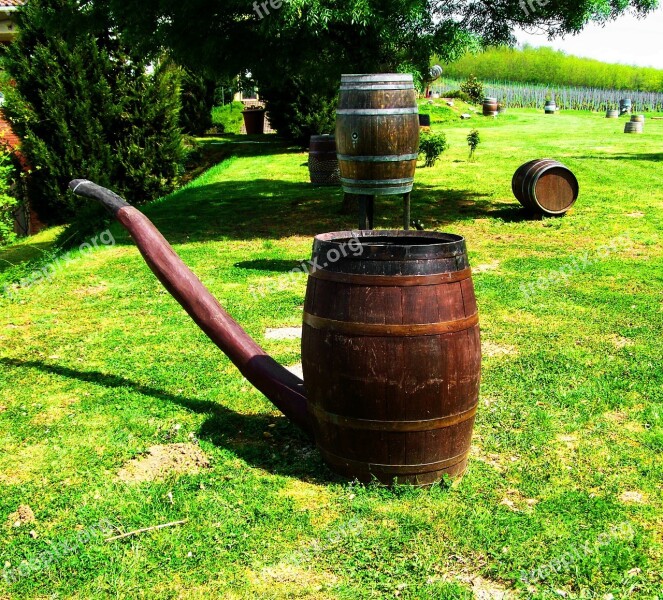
column 322, row 160
column 550, row 107
column 625, row 106
column 377, row 139
column 545, row 186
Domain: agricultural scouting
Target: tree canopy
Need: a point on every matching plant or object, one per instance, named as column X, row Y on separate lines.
column 232, row 36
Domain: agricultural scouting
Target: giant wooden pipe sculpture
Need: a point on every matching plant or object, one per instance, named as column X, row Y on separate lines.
column 390, row 346
column 284, row 389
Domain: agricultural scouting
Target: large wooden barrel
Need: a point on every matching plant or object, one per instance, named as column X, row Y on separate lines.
column 489, row 107
column 322, row 161
column 634, row 127
column 545, row 186
column 391, row 354
column 612, row 114
column 377, row 134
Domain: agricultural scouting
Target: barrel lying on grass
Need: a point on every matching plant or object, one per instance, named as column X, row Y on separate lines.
column 391, row 354
column 545, row 186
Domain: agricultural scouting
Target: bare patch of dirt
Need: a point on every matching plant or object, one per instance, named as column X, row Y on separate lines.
column 292, row 581
column 296, row 370
column 163, row 460
column 20, row 466
column 620, row 342
column 60, row 407
column 283, row 333
column 615, row 417
column 635, row 215
column 22, row 516
column 91, row 290
column 490, row 349
column 491, row 266
column 632, row 497
column 485, row 589
column 516, row 502
column 493, row 460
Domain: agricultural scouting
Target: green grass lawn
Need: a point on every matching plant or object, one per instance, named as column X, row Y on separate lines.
column 98, row 364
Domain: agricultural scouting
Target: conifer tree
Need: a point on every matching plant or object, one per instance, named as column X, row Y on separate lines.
column 85, row 106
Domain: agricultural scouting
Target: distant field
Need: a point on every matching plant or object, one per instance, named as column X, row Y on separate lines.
column 563, row 494
column 553, row 68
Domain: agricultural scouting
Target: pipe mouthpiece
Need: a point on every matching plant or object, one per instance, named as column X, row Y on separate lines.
column 88, row 189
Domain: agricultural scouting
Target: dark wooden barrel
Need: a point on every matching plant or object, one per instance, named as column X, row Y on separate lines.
column 545, row 186
column 424, row 120
column 322, row 161
column 612, row 114
column 254, row 121
column 634, row 127
column 391, row 354
column 377, row 134
column 489, row 107
column 550, row 107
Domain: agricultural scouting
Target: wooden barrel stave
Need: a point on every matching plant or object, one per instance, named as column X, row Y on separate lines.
column 368, row 412
column 377, row 134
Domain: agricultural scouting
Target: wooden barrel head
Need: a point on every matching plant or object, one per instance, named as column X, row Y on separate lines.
column 545, row 186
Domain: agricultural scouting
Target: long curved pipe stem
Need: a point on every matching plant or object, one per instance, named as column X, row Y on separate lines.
column 284, row 389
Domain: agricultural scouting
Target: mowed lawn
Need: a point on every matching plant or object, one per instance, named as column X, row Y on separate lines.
column 562, row 497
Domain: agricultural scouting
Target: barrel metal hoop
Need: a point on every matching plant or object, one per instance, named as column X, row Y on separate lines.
column 378, row 159
column 360, row 465
column 377, row 77
column 389, row 191
column 377, row 182
column 369, row 87
column 392, row 281
column 389, row 330
column 392, row 426
column 377, row 112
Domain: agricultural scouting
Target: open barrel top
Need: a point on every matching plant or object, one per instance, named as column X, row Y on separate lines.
column 392, row 244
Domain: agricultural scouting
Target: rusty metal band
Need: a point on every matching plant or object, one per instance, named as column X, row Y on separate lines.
column 373, row 87
column 392, row 426
column 386, row 330
column 378, row 159
column 360, row 465
column 377, row 182
column 377, row 191
column 392, row 280
column 378, row 112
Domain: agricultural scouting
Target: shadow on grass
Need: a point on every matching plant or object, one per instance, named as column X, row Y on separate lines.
column 272, row 265
column 654, row 157
column 289, row 452
column 271, row 209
